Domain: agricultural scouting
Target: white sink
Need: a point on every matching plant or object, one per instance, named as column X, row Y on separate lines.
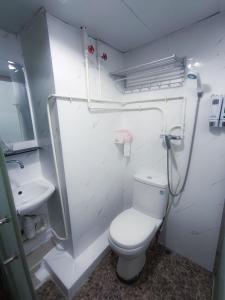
column 31, row 195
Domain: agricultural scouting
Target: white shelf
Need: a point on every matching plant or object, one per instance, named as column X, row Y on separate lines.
column 167, row 72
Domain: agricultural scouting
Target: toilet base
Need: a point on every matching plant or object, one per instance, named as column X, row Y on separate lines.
column 129, row 269
column 130, row 281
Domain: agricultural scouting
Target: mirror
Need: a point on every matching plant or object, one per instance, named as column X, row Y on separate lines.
column 15, row 114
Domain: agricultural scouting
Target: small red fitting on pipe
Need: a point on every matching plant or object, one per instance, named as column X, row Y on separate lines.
column 91, row 49
column 104, row 56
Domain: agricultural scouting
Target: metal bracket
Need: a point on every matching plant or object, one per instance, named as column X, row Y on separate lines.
column 4, row 220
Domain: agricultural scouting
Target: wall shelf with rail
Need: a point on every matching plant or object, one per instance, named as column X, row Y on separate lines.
column 168, row 72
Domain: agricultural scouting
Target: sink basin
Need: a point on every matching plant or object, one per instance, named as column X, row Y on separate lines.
column 31, row 195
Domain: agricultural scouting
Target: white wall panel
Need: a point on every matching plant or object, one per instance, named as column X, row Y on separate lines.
column 36, row 49
column 93, row 164
column 192, row 228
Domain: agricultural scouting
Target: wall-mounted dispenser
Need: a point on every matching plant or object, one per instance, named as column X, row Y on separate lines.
column 125, row 138
column 217, row 113
column 222, row 115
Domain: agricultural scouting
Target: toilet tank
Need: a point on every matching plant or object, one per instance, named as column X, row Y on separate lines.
column 150, row 194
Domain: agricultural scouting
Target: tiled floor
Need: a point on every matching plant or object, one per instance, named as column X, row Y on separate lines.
column 166, row 276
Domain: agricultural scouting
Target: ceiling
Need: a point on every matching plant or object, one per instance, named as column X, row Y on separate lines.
column 124, row 24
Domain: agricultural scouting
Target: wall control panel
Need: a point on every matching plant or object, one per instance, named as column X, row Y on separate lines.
column 217, row 111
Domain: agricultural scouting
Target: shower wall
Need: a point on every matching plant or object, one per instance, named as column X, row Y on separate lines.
column 93, row 164
column 148, row 151
column 37, row 56
column 192, row 227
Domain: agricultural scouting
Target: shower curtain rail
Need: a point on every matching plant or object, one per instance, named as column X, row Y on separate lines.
column 122, row 108
column 121, row 103
column 81, row 99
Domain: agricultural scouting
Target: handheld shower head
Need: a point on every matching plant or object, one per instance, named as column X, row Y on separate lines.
column 194, row 75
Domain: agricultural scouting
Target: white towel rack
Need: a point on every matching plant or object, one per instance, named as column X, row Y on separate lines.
column 166, row 72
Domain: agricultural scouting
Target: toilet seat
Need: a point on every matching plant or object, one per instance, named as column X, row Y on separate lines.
column 132, row 229
column 128, row 252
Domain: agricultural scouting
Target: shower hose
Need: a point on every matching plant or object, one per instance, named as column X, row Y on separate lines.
column 177, row 193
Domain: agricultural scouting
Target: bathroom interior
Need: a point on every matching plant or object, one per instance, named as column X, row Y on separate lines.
column 112, row 138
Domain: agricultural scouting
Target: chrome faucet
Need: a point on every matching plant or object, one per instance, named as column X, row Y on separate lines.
column 16, row 161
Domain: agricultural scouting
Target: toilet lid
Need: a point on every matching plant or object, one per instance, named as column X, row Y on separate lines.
column 131, row 229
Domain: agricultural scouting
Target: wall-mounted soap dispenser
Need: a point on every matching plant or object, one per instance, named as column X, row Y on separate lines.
column 125, row 138
column 216, row 111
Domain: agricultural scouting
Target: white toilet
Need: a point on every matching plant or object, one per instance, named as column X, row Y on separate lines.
column 131, row 231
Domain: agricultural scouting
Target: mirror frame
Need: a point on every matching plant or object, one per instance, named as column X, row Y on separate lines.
column 28, row 144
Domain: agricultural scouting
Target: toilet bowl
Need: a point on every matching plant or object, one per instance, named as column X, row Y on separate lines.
column 129, row 236
column 131, row 232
